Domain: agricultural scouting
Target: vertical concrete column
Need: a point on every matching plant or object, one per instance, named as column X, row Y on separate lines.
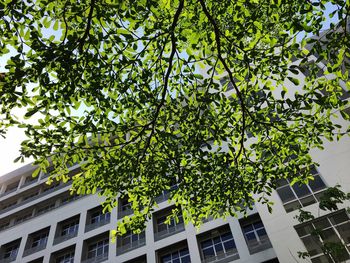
column 112, row 252
column 22, row 247
column 21, row 181
column 151, row 255
column 80, row 237
column 191, row 234
column 2, row 189
column 50, row 239
column 239, row 238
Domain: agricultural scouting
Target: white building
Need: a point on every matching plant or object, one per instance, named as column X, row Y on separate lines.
column 41, row 223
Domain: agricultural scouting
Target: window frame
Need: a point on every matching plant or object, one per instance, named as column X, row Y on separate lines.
column 180, row 257
column 92, row 249
column 334, row 226
column 227, row 253
column 299, row 200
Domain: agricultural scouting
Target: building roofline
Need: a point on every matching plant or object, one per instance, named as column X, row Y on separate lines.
column 17, row 172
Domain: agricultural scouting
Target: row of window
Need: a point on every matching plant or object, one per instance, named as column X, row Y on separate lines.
column 213, row 245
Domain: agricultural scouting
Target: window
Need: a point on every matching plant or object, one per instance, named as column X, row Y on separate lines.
column 10, row 251
column 66, row 229
column 70, row 228
column 218, row 246
column 333, row 228
column 166, row 229
column 36, row 241
column 98, row 249
column 40, row 240
column 130, row 241
column 254, row 233
column 179, row 256
column 66, row 258
column 99, row 216
column 296, row 196
column 162, row 226
column 124, row 208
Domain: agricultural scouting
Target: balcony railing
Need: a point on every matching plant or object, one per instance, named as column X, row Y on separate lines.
column 131, row 246
column 97, row 259
column 26, row 219
column 169, row 231
column 63, row 238
column 97, row 224
column 223, row 257
column 8, row 192
column 34, row 198
column 9, row 259
column 29, row 182
column 32, row 250
column 257, row 246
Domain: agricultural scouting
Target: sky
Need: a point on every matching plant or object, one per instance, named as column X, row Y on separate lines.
column 10, row 146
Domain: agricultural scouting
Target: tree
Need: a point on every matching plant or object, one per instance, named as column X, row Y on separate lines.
column 130, row 89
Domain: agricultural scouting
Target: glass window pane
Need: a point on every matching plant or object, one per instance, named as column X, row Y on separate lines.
column 208, row 252
column 304, row 230
column 321, row 259
column 250, row 236
column 329, row 235
column 176, row 260
column 184, row 252
column 286, row 194
column 317, row 184
column 339, row 218
column 312, row 244
column 321, row 223
column 292, row 206
column 281, row 182
column 226, row 236
column 344, row 231
column 186, row 259
column 219, row 248
column 258, row 225
column 166, row 258
column 216, row 240
column 207, row 243
column 248, row 228
column 175, row 255
column 307, row 200
column 229, row 245
column 261, row 232
column 301, row 190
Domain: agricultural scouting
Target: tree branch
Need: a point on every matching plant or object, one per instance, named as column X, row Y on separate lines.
column 227, row 68
column 88, row 26
column 167, row 75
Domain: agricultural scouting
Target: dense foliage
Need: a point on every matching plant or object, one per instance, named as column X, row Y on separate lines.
column 131, row 89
